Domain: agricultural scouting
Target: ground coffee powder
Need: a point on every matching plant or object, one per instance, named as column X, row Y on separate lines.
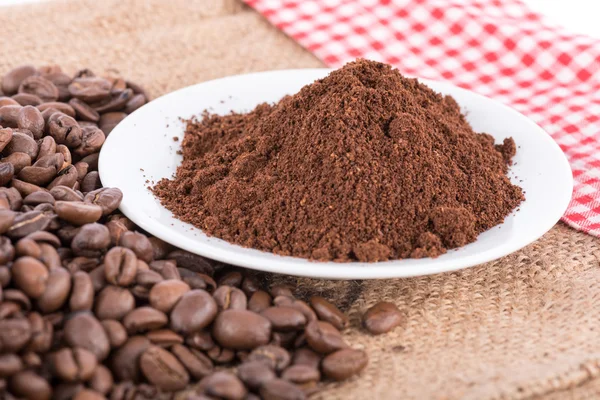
column 362, row 165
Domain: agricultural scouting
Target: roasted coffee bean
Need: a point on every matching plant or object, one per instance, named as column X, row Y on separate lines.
column 7, row 171
column 92, row 161
column 78, row 213
column 164, row 295
column 41, row 87
column 144, row 319
column 63, row 193
column 91, row 182
column 26, row 99
column 17, row 296
column 84, row 330
column 284, row 319
column 58, row 288
column 116, row 102
column 301, row 374
column 323, row 337
column 139, row 244
column 116, row 229
column 114, row 302
column 115, row 331
column 29, row 385
column 97, row 277
column 279, row 389
column 65, row 177
column 24, row 189
column 30, row 118
column 109, row 121
column 12, row 197
column 66, row 391
column 134, row 103
column 21, row 143
column 197, row 280
column 102, row 380
column 382, row 318
column 38, row 198
column 222, row 385
column 84, row 111
column 82, row 170
column 281, row 290
column 10, row 364
column 120, row 266
column 5, row 274
column 254, row 374
column 221, row 355
column 228, row 297
column 31, row 360
column 31, row 276
column 275, row 357
column 14, row 334
column 241, row 329
column 7, row 219
column 125, row 363
column 64, row 129
column 6, row 135
column 306, row 356
column 12, row 80
column 160, row 248
column 7, row 101
column 232, row 278
column 92, row 139
column 9, row 115
column 90, row 89
column 284, row 339
column 191, row 261
column 64, row 150
column 344, row 363
column 38, row 176
column 88, row 394
column 250, row 285
column 47, row 147
column 163, row 370
column 82, row 295
column 259, row 301
column 197, row 364
column 146, row 277
column 42, row 333
column 91, row 240
column 108, row 199
column 195, row 310
column 73, row 365
column 200, row 340
column 328, row 312
column 164, row 337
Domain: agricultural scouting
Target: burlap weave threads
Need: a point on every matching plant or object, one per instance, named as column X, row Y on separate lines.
column 522, row 327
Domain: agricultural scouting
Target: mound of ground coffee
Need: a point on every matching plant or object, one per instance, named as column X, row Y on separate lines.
column 364, row 164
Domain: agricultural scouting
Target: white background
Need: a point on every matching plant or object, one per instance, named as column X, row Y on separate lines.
column 579, row 16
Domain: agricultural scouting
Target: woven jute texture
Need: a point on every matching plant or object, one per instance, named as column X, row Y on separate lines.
column 525, row 326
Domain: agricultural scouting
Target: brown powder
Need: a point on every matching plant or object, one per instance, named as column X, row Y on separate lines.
column 361, row 165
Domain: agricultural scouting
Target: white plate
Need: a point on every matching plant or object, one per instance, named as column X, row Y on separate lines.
column 142, row 148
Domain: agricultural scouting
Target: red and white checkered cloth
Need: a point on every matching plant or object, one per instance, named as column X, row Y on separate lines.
column 499, row 48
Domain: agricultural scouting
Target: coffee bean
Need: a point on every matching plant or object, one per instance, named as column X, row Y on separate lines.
column 284, row 319
column 12, row 80
column 30, row 118
column 17, row 296
column 279, row 389
column 66, row 391
column 7, row 219
column 90, row 89
column 328, row 312
column 200, row 340
column 65, row 177
column 221, row 355
column 284, row 339
column 197, row 364
column 102, row 380
column 307, row 357
column 120, row 266
column 42, row 333
column 63, row 193
column 36, row 175
column 241, row 329
column 29, row 385
column 259, row 301
column 139, row 244
column 344, row 363
column 126, row 361
column 281, row 290
column 8, row 101
column 24, row 189
column 193, row 262
column 228, row 297
column 116, row 102
column 197, row 280
column 144, row 319
column 41, row 87
column 36, row 198
column 84, row 330
column 26, row 99
column 91, row 182
column 115, row 331
column 10, row 364
column 233, row 278
column 134, row 103
column 323, row 337
column 14, row 334
column 9, row 115
column 73, row 365
column 64, row 130
column 163, row 370
column 78, row 213
column 164, row 295
column 58, row 288
column 254, row 374
column 31, row 276
column 113, row 302
column 222, row 385
column 110, row 120
column 195, row 310
column 382, row 318
column 7, row 171
column 84, row 111
column 164, row 338
column 5, row 274
column 88, row 394
column 82, row 296
column 86, row 264
column 276, row 357
column 250, row 285
column 91, row 240
column 301, row 374
column 108, row 199
column 21, row 143
column 64, row 150
column 92, row 139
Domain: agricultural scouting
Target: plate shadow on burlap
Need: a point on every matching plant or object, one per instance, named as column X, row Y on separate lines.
column 525, row 326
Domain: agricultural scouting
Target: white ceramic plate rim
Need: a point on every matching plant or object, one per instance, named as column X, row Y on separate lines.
column 233, row 254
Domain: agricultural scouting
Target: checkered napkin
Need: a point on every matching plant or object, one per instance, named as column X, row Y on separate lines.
column 498, row 48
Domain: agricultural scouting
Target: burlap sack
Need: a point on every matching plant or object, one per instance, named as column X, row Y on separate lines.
column 525, row 326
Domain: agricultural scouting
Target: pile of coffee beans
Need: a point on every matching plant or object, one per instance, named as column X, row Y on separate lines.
column 93, row 308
